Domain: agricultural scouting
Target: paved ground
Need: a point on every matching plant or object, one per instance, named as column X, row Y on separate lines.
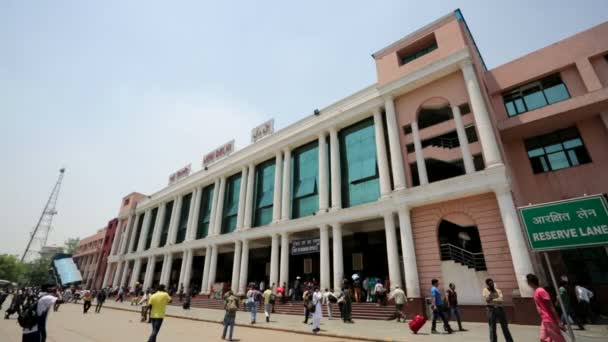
column 70, row 325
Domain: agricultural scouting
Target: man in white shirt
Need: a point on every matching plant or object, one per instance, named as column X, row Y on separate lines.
column 43, row 306
column 584, row 296
column 326, row 302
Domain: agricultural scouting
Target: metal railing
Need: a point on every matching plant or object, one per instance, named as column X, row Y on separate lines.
column 445, row 142
column 464, row 257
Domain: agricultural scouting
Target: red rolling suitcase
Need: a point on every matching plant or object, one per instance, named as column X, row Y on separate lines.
column 417, row 323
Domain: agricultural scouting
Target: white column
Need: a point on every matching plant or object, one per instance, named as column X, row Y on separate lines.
column 284, row 276
column 323, row 173
column 249, row 198
column 193, row 214
column 338, row 257
column 125, row 273
column 274, row 260
column 412, row 283
column 236, row 266
column 116, row 240
column 117, row 274
column 216, row 191
column 144, row 231
column 168, row 264
column 325, row 279
column 336, row 177
column 276, row 200
column 125, row 235
column 212, row 268
column 135, row 272
column 160, row 217
column 182, row 269
column 240, row 216
column 467, row 158
column 133, row 233
column 522, row 264
column 420, row 163
column 106, row 276
column 487, row 139
column 219, row 207
column 188, row 272
column 391, row 251
column 206, row 268
column 244, row 267
column 382, row 157
column 175, row 218
column 394, row 144
column 286, row 195
column 150, row 268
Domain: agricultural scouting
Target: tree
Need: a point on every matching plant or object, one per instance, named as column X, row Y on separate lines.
column 11, row 268
column 71, row 245
column 38, row 272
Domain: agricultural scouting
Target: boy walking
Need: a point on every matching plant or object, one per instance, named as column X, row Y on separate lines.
column 231, row 305
column 452, row 299
column 437, row 307
column 158, row 302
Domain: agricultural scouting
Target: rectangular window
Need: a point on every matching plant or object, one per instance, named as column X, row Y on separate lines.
column 360, row 180
column 165, row 227
column 231, row 203
column 140, row 224
column 305, row 166
column 204, row 219
column 418, row 49
column 264, row 193
column 151, row 228
column 182, row 225
column 535, row 95
column 557, row 150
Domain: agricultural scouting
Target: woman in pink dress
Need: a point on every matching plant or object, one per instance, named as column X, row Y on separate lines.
column 550, row 325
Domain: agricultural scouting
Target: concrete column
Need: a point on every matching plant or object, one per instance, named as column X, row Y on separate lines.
column 284, row 276
column 412, row 283
column 240, row 216
column 522, row 263
column 125, row 235
column 274, row 260
column 276, row 200
column 392, row 251
column 206, row 268
column 249, row 198
column 219, row 207
column 193, row 214
column 150, row 269
column 467, row 158
column 175, row 218
column 381, row 155
column 286, row 195
column 323, row 173
column 420, row 163
column 116, row 240
column 604, row 116
column 125, row 273
column 338, row 257
column 188, row 272
column 182, row 269
column 117, row 274
column 236, row 267
column 336, row 177
column 133, row 233
column 588, row 74
column 144, row 231
column 487, row 139
column 216, row 191
column 167, row 265
column 135, row 272
column 394, row 144
column 244, row 268
column 212, row 268
column 106, row 276
column 160, row 217
column 325, row 279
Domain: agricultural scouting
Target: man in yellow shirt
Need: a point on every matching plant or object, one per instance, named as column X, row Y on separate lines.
column 158, row 305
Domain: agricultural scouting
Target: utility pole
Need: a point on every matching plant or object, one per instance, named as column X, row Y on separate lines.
column 42, row 229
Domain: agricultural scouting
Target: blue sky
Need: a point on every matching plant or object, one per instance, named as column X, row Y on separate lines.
column 123, row 93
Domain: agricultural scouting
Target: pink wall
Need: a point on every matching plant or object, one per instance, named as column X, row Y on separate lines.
column 601, row 69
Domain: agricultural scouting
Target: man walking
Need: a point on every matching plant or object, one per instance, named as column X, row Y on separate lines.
column 268, row 302
column 568, row 313
column 101, row 297
column 45, row 301
column 437, row 307
column 452, row 299
column 584, row 296
column 158, row 302
column 550, row 326
column 317, row 297
column 399, row 296
column 496, row 313
column 327, row 302
column 231, row 306
column 307, row 297
column 253, row 297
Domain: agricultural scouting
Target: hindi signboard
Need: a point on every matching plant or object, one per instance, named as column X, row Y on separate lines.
column 179, row 174
column 573, row 223
column 262, row 131
column 306, row 246
column 218, row 154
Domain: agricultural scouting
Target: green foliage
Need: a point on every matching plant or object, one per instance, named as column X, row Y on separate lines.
column 11, row 268
column 38, row 272
column 71, row 245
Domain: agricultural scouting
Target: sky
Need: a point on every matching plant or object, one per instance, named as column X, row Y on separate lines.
column 123, row 93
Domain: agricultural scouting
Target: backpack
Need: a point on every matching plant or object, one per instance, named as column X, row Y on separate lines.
column 231, row 307
column 28, row 317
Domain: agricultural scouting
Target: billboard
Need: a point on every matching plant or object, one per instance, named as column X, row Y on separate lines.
column 218, row 154
column 66, row 270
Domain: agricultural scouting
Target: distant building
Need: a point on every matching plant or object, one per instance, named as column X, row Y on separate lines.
column 48, row 252
column 88, row 256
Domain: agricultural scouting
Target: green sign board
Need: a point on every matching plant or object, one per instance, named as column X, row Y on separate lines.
column 578, row 222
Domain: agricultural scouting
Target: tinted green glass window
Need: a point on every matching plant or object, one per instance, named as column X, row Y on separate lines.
column 557, row 150
column 140, row 224
column 264, row 193
column 360, row 180
column 151, row 228
column 164, row 233
column 537, row 94
column 305, row 166
column 182, row 225
column 204, row 218
column 231, row 203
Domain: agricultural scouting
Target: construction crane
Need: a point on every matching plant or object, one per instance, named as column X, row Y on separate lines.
column 40, row 234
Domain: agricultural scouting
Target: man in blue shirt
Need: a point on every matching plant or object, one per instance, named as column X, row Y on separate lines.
column 438, row 308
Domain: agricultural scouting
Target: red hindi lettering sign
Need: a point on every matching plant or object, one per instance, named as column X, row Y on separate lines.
column 219, row 153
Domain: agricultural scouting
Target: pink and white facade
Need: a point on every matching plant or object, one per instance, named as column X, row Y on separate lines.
column 88, row 257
